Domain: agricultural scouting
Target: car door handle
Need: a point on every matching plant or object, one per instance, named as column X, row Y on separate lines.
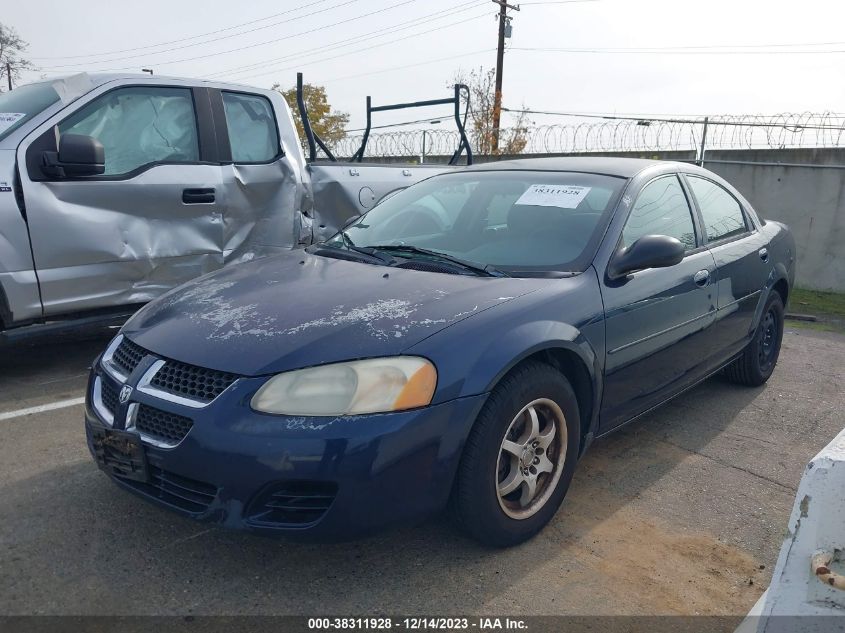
column 764, row 254
column 198, row 196
column 701, row 278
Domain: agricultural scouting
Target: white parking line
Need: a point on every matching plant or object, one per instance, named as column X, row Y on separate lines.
column 52, row 406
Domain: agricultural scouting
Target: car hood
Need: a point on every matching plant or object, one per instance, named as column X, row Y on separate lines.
column 297, row 310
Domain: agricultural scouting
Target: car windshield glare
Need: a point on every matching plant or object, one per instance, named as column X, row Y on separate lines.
column 21, row 104
column 511, row 220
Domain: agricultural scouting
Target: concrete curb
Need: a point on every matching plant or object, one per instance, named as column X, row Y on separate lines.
column 807, row 579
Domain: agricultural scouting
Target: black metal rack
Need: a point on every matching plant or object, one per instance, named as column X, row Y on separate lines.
column 314, row 140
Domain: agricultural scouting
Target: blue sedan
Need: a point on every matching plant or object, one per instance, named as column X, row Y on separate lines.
column 460, row 346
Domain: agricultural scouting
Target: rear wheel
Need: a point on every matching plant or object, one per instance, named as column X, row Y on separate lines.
column 520, row 457
column 758, row 361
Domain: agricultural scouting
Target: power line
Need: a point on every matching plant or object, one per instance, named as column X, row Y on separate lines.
column 358, row 50
column 273, row 41
column 670, row 51
column 522, row 4
column 359, row 38
column 406, row 66
column 387, row 125
column 216, row 39
column 186, row 39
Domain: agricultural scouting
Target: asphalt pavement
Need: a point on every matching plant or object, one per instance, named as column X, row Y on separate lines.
column 681, row 512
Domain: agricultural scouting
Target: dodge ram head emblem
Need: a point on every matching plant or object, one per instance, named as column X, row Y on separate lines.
column 125, row 392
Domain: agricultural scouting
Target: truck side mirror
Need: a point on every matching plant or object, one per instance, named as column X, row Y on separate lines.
column 78, row 155
column 650, row 251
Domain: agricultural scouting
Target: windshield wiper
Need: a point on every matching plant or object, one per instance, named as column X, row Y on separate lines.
column 350, row 245
column 482, row 269
column 360, row 253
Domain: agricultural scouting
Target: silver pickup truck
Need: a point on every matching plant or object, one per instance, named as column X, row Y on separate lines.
column 116, row 188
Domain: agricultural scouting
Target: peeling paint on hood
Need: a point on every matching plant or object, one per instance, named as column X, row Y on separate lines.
column 297, row 310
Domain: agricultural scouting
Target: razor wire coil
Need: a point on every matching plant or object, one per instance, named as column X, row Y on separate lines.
column 583, row 135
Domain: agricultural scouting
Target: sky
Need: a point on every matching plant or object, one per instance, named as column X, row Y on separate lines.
column 680, row 57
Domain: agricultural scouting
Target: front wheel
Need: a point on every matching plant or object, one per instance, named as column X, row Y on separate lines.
column 520, row 457
column 757, row 362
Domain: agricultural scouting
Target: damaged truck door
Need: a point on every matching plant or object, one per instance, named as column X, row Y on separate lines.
column 149, row 221
column 115, row 189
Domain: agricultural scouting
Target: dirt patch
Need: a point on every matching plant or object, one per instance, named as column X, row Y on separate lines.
column 651, row 568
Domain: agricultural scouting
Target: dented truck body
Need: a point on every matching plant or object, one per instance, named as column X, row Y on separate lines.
column 197, row 176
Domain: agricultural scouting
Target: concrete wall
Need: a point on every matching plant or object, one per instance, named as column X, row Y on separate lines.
column 807, row 196
column 805, row 188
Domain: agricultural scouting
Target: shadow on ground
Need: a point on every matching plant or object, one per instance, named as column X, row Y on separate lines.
column 81, row 545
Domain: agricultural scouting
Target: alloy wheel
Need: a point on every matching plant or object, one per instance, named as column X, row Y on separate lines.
column 531, row 458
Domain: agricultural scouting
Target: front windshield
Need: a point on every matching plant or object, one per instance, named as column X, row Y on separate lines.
column 21, row 104
column 510, row 220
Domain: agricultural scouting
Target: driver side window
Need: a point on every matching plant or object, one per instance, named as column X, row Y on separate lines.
column 139, row 125
column 661, row 209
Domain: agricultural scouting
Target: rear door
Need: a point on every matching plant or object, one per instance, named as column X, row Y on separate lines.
column 152, row 221
column 742, row 262
column 262, row 174
column 657, row 321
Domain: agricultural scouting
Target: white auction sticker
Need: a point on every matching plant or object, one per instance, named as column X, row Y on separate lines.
column 8, row 119
column 561, row 196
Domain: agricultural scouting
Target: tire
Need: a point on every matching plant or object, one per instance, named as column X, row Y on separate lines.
column 487, row 466
column 758, row 360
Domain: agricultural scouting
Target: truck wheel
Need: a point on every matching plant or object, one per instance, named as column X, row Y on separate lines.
column 519, row 458
column 758, row 361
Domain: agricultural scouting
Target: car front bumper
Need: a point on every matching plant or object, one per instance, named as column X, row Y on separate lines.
column 327, row 478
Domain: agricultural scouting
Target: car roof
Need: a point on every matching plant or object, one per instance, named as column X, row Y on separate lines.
column 98, row 79
column 611, row 166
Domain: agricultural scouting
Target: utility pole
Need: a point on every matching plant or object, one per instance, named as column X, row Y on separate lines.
column 9, row 74
column 500, row 61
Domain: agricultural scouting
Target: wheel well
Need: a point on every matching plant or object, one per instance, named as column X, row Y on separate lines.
column 782, row 288
column 571, row 366
column 5, row 311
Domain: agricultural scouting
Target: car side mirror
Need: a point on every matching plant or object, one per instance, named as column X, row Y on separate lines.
column 78, row 155
column 650, row 251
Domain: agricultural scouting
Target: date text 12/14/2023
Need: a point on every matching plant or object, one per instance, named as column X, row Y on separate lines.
column 418, row 623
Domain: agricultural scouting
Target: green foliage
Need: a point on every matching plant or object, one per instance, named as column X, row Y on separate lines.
column 829, row 307
column 817, row 302
column 328, row 124
column 513, row 138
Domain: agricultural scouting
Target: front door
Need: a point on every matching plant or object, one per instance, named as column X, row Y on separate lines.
column 151, row 222
column 657, row 320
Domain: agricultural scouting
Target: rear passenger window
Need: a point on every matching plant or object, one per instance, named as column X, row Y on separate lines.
column 661, row 209
column 252, row 128
column 720, row 211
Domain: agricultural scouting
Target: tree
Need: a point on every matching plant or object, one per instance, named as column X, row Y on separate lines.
column 12, row 48
column 328, row 124
column 482, row 91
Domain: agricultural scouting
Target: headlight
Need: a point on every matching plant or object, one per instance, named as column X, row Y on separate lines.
column 376, row 385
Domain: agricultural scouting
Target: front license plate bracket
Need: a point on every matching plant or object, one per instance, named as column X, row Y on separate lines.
column 120, row 453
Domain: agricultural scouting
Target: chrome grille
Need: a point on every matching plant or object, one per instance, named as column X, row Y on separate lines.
column 196, row 383
column 164, row 427
column 108, row 396
column 127, row 356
